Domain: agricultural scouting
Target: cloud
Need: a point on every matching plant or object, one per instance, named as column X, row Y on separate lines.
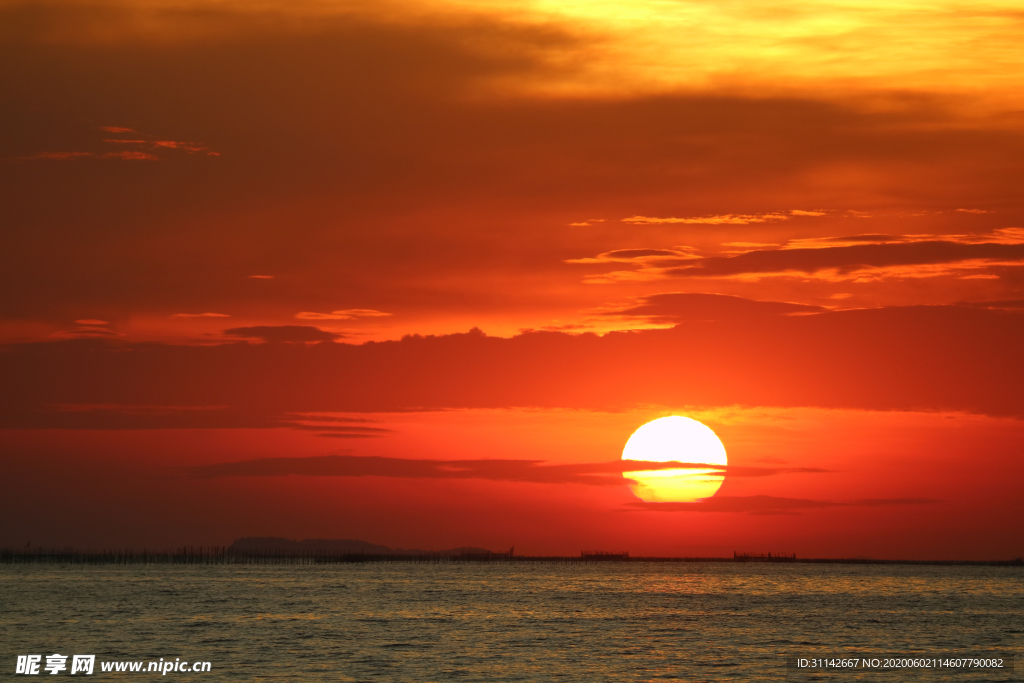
column 534, row 471
column 260, row 277
column 847, row 259
column 87, row 332
column 283, row 333
column 947, row 358
column 1003, row 304
column 340, row 431
column 200, row 315
column 863, row 258
column 310, row 315
column 362, row 313
column 131, row 156
column 729, row 218
column 66, row 156
column 760, row 505
column 432, row 129
column 683, row 306
column 347, row 314
column 190, row 147
column 656, row 257
column 90, row 321
column 127, row 155
column 725, row 219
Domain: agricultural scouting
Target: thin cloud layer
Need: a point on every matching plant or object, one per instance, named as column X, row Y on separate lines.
column 283, row 333
column 140, row 152
column 532, row 471
column 727, row 219
column 347, row 314
column 850, row 258
column 676, row 307
column 956, row 358
column 856, row 257
column 767, row 505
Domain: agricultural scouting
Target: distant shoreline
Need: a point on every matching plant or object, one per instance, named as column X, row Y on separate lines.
column 225, row 556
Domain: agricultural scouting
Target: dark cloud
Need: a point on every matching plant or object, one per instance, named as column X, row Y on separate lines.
column 1004, row 304
column 848, row 258
column 679, row 307
column 954, row 358
column 283, row 333
column 343, row 127
column 373, row 466
column 535, row 471
column 340, row 432
column 759, row 505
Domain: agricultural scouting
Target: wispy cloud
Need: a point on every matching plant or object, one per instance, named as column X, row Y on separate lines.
column 346, row 314
column 724, row 219
column 640, row 256
column 147, row 146
column 88, row 328
column 868, row 257
column 200, row 315
column 676, row 307
column 283, row 333
column 130, row 156
column 766, row 505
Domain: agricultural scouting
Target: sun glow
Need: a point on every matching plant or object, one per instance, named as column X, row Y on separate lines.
column 675, row 439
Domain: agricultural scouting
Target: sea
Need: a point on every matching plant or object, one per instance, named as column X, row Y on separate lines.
column 517, row 621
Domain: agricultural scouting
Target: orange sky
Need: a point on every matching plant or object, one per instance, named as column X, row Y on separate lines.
column 246, row 245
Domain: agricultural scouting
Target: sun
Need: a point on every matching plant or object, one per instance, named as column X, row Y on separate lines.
column 675, row 439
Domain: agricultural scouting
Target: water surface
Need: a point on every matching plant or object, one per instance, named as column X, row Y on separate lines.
column 512, row 622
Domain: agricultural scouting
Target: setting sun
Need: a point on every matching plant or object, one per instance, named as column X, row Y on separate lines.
column 675, row 439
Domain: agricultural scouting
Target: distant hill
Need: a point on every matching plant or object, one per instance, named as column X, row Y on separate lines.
column 341, row 546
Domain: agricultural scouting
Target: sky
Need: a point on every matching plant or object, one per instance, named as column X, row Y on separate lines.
column 413, row 273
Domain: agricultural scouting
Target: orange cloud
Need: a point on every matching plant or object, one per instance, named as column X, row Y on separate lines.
column 131, row 156
column 346, row 314
column 772, row 504
column 283, row 333
column 725, row 219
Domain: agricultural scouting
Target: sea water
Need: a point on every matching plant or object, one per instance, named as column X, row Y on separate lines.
column 524, row 621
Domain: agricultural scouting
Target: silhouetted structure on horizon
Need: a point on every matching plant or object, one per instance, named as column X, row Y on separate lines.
column 306, row 555
column 750, row 557
column 604, row 555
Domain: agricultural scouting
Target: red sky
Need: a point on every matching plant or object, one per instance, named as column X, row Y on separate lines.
column 275, row 269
